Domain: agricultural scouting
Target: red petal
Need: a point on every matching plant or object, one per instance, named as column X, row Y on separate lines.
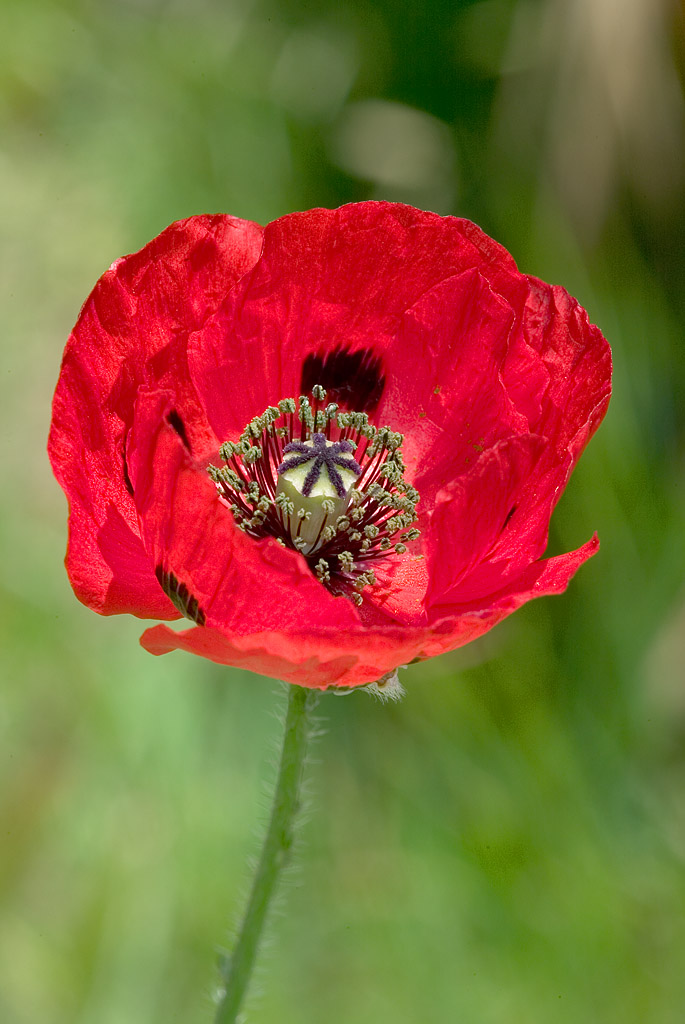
column 356, row 657
column 444, row 390
column 132, row 329
column 456, row 624
column 472, row 512
column 576, row 359
column 242, row 585
column 261, row 605
column 329, row 279
column 332, row 657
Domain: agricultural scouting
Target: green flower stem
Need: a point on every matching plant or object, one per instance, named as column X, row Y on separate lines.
column 274, row 856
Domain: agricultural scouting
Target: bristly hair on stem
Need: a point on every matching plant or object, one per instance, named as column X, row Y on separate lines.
column 275, row 854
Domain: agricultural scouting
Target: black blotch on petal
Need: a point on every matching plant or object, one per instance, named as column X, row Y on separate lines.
column 180, row 596
column 509, row 515
column 127, row 478
column 355, row 380
column 175, row 421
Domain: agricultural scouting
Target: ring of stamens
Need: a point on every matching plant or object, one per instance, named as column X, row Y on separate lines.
column 370, row 510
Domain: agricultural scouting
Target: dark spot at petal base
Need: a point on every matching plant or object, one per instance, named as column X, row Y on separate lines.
column 180, row 596
column 127, row 478
column 509, row 515
column 175, row 421
column 354, row 380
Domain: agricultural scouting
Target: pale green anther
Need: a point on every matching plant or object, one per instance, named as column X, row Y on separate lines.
column 342, row 524
column 377, row 492
column 366, row 544
column 356, row 514
column 365, row 579
column 390, row 439
column 227, row 450
column 357, row 598
column 346, row 560
column 385, row 544
column 285, row 504
column 390, row 471
column 252, row 455
column 287, row 405
column 358, row 420
column 301, row 544
column 410, row 535
column 232, row 478
column 319, row 393
column 355, row 496
column 402, row 503
column 371, row 531
column 355, row 535
column 322, row 570
column 332, row 410
column 328, row 533
column 328, row 505
column 385, row 438
column 396, row 523
column 282, row 432
column 400, row 548
column 303, row 513
column 304, row 413
column 264, row 504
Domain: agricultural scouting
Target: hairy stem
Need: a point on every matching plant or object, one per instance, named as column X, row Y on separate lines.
column 275, row 854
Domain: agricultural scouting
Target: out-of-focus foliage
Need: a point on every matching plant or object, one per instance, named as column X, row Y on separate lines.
column 506, row 846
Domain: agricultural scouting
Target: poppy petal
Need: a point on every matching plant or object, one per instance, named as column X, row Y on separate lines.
column 460, row 622
column 241, row 584
column 330, row 284
column 133, row 328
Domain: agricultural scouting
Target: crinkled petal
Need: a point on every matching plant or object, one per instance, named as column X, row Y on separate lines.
column 357, row 657
column 456, row 624
column 444, row 392
column 132, row 330
column 240, row 584
column 331, row 280
column 496, row 380
column 331, row 658
column 472, row 512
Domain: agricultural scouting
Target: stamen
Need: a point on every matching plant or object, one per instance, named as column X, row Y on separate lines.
column 325, row 483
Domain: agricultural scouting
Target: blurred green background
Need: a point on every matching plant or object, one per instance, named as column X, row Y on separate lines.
column 507, row 845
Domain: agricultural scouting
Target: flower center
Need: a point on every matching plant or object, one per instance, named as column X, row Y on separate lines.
column 326, row 483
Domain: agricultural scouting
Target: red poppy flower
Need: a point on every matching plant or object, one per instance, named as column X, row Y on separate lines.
column 334, row 443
